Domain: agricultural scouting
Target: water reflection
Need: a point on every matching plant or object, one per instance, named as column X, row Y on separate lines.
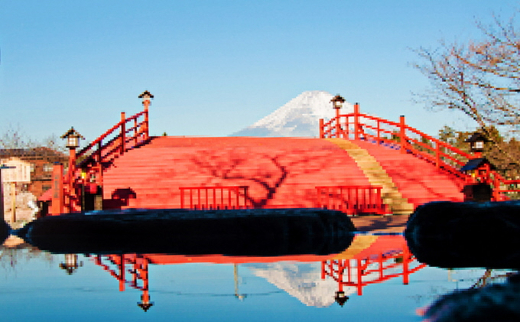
column 315, row 280
column 348, row 278
column 129, row 270
column 388, row 257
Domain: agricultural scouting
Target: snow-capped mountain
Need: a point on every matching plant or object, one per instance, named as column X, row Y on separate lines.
column 301, row 280
column 298, row 118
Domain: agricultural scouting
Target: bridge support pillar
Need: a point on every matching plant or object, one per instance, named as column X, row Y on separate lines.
column 402, row 134
column 57, row 206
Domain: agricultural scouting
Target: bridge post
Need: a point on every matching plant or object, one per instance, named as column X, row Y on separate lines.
column 70, row 176
column 146, row 97
column 321, row 128
column 57, row 189
column 356, row 121
column 123, row 132
column 146, row 131
column 437, row 155
column 338, row 125
column 402, row 134
column 406, row 262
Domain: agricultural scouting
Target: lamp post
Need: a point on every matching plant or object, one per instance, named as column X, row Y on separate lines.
column 479, row 169
column 477, row 142
column 337, row 103
column 146, row 97
column 72, row 137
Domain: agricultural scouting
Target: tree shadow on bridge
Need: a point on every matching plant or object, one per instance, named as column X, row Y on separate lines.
column 266, row 174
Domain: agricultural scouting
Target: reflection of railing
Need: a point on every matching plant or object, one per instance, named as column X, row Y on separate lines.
column 400, row 136
column 360, row 272
column 215, row 197
column 352, row 200
column 138, row 272
column 369, row 260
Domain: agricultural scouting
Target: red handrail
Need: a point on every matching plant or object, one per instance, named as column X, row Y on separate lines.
column 215, row 197
column 352, row 200
column 116, row 140
column 92, row 160
column 400, row 136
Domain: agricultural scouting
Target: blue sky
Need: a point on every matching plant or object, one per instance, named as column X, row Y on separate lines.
column 217, row 66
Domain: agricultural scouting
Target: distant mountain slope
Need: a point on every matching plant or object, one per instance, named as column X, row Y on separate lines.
column 298, row 118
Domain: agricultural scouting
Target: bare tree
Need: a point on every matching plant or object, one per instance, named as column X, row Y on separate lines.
column 14, row 138
column 53, row 142
column 480, row 78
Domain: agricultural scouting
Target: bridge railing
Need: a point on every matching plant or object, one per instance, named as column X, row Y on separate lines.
column 92, row 160
column 408, row 140
column 126, row 134
column 215, row 197
column 352, row 200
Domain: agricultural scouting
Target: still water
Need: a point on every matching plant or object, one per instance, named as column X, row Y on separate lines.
column 379, row 279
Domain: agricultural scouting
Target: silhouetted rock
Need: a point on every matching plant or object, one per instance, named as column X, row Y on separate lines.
column 5, row 231
column 493, row 303
column 261, row 232
column 469, row 234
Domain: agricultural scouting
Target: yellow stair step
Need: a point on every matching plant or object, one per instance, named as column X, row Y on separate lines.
column 376, row 176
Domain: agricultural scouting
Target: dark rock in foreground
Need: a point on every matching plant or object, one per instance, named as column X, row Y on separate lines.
column 5, row 231
column 469, row 234
column 263, row 232
column 492, row 303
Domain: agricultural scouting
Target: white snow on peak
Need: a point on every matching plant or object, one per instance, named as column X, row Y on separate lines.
column 301, row 280
column 297, row 118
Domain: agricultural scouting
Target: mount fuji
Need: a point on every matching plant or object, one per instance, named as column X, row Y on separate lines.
column 297, row 118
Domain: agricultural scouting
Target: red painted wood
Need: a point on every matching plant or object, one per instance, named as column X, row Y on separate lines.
column 417, row 180
column 57, row 206
column 215, row 197
column 352, row 200
column 279, row 172
column 381, row 131
column 388, row 257
column 102, row 151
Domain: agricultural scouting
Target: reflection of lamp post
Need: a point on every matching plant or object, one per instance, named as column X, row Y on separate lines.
column 145, row 302
column 72, row 137
column 337, row 103
column 235, row 275
column 71, row 263
column 341, row 298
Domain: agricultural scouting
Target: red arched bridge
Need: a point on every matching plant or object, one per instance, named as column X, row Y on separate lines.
column 361, row 164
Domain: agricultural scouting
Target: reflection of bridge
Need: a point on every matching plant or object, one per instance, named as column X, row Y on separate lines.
column 369, row 260
column 125, row 168
column 386, row 257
